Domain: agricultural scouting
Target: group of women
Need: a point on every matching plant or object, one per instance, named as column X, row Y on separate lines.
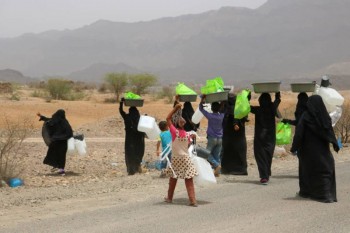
column 313, row 134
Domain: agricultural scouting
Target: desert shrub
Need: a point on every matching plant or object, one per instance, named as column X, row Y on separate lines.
column 117, row 83
column 40, row 94
column 167, row 93
column 59, row 89
column 140, row 82
column 103, row 88
column 37, row 84
column 111, row 100
column 12, row 136
column 342, row 128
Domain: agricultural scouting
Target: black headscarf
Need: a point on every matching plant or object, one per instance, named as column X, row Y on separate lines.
column 318, row 113
column 267, row 110
column 188, row 109
column 134, row 115
column 59, row 127
column 301, row 105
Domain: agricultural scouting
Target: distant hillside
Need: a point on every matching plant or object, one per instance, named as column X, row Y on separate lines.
column 281, row 40
column 9, row 75
column 97, row 72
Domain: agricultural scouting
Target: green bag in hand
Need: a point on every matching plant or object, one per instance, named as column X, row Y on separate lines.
column 242, row 106
column 283, row 133
column 182, row 89
column 130, row 95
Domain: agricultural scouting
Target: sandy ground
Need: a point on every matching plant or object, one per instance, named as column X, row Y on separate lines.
column 102, row 171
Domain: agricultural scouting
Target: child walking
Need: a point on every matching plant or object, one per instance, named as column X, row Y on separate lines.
column 164, row 140
column 181, row 165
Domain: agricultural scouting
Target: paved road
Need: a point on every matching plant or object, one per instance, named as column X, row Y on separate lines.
column 236, row 205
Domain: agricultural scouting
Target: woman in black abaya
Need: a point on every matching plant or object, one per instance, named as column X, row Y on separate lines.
column 134, row 140
column 300, row 108
column 265, row 133
column 59, row 131
column 311, row 141
column 187, row 113
column 234, row 151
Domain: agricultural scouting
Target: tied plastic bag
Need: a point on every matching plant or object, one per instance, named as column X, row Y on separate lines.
column 205, row 172
column 130, row 95
column 242, row 106
column 283, row 133
column 182, row 89
column 80, row 144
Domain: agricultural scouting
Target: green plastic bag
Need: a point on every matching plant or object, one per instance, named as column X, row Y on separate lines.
column 283, row 133
column 182, row 89
column 130, row 95
column 242, row 106
column 213, row 86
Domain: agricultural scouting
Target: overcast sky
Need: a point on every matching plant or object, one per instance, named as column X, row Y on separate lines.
column 24, row 16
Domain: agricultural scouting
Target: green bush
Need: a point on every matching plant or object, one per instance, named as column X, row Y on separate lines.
column 59, row 89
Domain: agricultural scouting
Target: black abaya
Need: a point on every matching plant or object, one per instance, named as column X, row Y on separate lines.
column 234, row 154
column 265, row 133
column 311, row 141
column 134, row 140
column 59, row 131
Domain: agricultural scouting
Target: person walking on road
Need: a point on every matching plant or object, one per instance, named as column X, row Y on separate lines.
column 312, row 137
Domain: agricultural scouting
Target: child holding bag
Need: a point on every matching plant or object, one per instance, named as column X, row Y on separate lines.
column 181, row 165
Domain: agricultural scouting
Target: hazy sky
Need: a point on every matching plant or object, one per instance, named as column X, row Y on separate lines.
column 22, row 16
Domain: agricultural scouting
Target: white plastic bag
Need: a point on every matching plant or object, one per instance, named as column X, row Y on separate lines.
column 205, row 172
column 80, row 146
column 70, row 145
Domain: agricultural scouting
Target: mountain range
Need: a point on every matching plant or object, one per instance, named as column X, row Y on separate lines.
column 281, row 40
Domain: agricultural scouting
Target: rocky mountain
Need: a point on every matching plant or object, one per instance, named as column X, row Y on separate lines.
column 281, row 40
column 8, row 75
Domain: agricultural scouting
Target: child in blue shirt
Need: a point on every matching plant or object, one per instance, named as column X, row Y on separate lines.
column 164, row 139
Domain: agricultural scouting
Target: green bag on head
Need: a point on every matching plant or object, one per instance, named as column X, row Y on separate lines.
column 242, row 105
column 213, row 86
column 283, row 133
column 130, row 95
column 182, row 89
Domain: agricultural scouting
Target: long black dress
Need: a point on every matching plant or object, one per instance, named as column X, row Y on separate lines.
column 187, row 113
column 265, row 132
column 311, row 141
column 134, row 140
column 234, row 151
column 59, row 131
column 299, row 110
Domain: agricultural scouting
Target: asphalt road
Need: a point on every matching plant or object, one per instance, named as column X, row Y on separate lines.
column 237, row 206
